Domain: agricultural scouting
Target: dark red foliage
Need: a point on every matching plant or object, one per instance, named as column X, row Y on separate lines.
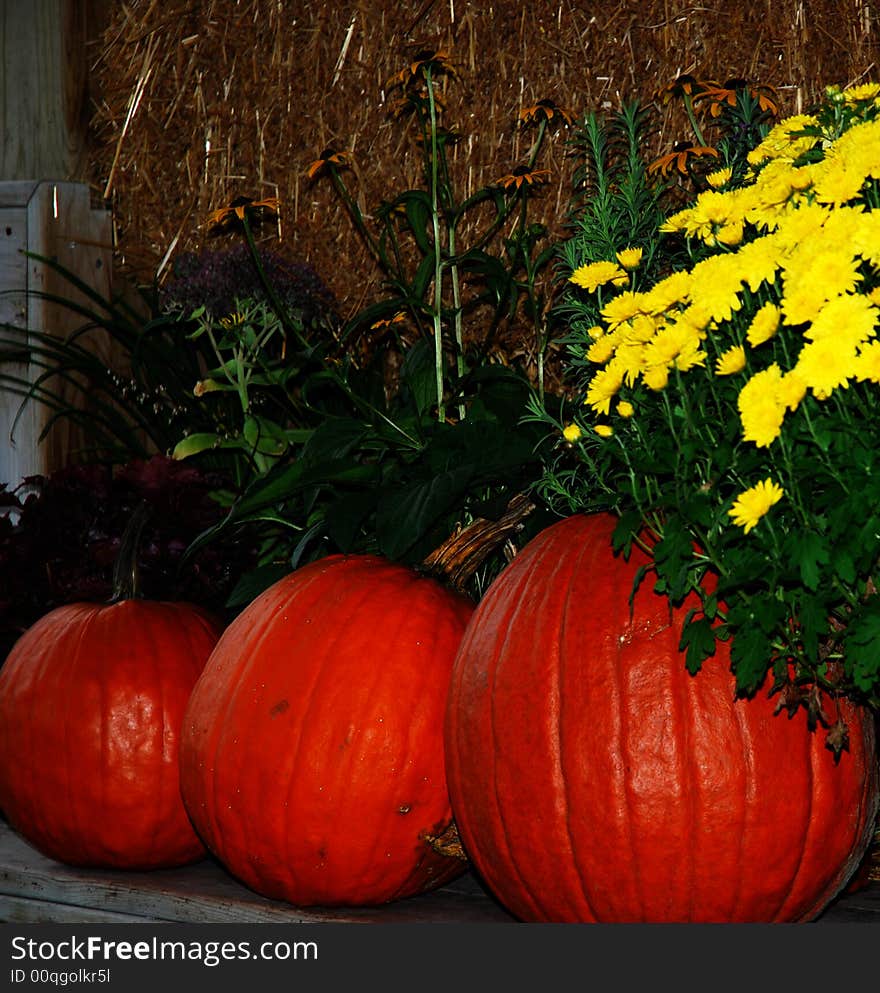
column 60, row 534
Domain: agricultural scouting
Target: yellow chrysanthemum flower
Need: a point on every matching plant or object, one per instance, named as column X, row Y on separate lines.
column 716, row 283
column 595, row 274
column 866, row 367
column 731, row 361
column 791, row 390
column 764, row 325
column 624, row 307
column 718, row 178
column 630, row 258
column 813, row 275
column 751, row 505
column 761, row 412
column 603, row 386
column 571, row 433
column 670, row 291
column 825, row 366
column 862, row 91
column 602, row 349
column 604, row 430
column 656, row 377
column 625, row 408
column 781, row 141
column 849, row 319
column 837, row 182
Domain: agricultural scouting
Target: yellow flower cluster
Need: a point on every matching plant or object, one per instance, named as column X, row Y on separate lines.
column 803, row 271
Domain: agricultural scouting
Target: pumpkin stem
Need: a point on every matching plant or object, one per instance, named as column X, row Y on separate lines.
column 458, row 558
column 126, row 577
column 448, row 843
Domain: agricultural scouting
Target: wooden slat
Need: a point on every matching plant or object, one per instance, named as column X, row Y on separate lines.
column 34, row 889
column 201, row 893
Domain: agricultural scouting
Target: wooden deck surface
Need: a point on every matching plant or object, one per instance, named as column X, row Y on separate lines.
column 34, row 889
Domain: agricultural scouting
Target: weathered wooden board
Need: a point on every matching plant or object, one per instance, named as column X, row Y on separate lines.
column 54, row 220
column 34, row 889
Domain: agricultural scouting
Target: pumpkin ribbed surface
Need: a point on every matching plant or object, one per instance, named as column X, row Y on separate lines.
column 91, row 703
column 594, row 779
column 312, row 757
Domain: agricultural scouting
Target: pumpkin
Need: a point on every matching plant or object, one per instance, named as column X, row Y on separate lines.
column 312, row 760
column 91, row 705
column 594, row 779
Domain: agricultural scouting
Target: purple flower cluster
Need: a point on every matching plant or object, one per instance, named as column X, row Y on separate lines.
column 215, row 278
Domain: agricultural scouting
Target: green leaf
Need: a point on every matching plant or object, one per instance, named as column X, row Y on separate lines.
column 334, row 438
column 808, row 551
column 697, row 641
column 406, row 514
column 418, row 214
column 345, row 516
column 193, row 444
column 255, row 582
column 751, row 652
column 862, row 646
column 264, row 436
column 419, row 375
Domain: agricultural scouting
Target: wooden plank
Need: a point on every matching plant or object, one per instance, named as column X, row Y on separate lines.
column 204, row 893
column 16, row 458
column 43, row 89
column 34, row 889
column 63, row 225
column 18, row 910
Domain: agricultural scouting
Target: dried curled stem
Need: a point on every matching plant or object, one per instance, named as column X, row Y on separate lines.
column 461, row 554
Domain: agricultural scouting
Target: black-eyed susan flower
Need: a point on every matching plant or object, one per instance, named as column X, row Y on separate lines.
column 683, row 85
column 329, row 158
column 728, row 92
column 423, row 61
column 523, row 176
column 680, row 157
column 387, row 323
column 548, row 111
column 751, row 505
column 241, row 209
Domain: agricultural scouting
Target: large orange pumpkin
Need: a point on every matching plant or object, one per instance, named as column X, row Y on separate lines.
column 91, row 704
column 594, row 779
column 312, row 753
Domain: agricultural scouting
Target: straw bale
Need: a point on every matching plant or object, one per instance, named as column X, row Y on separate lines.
column 200, row 101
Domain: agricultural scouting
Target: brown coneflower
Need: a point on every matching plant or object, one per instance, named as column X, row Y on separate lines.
column 241, row 209
column 727, row 93
column 679, row 158
column 523, row 176
column 434, row 60
column 546, row 110
column 329, row 158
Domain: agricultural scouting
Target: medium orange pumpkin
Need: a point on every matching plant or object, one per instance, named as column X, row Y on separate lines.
column 91, row 704
column 312, row 752
column 594, row 779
